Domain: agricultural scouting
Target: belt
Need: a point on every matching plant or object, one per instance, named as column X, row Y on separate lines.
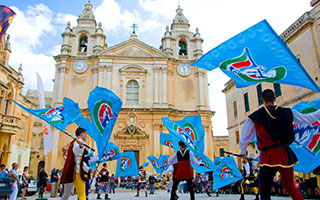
column 274, row 146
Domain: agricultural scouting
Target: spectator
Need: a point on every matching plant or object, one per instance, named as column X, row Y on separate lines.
column 112, row 184
column 42, row 183
column 15, row 177
column 152, row 181
column 3, row 171
column 25, row 181
column 54, row 181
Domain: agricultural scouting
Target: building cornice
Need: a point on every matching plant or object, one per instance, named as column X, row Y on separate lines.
column 228, row 85
column 305, row 19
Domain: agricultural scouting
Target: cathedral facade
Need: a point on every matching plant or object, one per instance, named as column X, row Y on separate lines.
column 152, row 83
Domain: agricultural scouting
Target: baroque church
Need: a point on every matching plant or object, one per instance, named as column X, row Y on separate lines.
column 152, row 83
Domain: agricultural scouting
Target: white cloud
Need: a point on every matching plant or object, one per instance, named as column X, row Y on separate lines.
column 116, row 20
column 63, row 18
column 26, row 31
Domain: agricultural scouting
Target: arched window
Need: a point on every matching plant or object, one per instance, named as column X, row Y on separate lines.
column 132, row 92
column 83, row 42
column 182, row 48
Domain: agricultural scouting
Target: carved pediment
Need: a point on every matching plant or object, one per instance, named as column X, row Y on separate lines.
column 131, row 132
column 133, row 48
column 132, row 68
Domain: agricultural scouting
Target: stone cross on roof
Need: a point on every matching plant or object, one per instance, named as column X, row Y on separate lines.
column 134, row 26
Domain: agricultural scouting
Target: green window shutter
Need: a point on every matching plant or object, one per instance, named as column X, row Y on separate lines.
column 259, row 93
column 246, row 102
column 277, row 89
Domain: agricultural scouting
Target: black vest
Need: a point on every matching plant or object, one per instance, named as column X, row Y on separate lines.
column 183, row 157
column 277, row 121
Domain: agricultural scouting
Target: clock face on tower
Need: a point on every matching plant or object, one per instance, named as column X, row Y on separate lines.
column 184, row 69
column 80, row 66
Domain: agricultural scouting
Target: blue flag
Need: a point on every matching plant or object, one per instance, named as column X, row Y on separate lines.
column 307, row 143
column 225, row 172
column 179, row 131
column 193, row 126
column 169, row 140
column 203, row 159
column 127, row 165
column 256, row 55
column 145, row 164
column 112, row 152
column 104, row 107
column 59, row 117
column 159, row 164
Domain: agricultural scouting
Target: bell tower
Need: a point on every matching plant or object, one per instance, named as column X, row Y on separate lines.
column 80, row 44
column 86, row 38
column 179, row 42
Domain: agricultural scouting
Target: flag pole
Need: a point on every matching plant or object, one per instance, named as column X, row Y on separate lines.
column 76, row 138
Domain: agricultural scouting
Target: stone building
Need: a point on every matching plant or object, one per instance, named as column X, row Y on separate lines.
column 15, row 123
column 152, row 83
column 37, row 159
column 303, row 39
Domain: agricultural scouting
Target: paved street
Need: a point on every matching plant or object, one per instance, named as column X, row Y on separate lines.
column 159, row 195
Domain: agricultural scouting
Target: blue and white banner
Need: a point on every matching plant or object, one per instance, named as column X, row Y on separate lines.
column 159, row 164
column 225, row 172
column 307, row 143
column 127, row 165
column 104, row 107
column 256, row 55
column 59, row 117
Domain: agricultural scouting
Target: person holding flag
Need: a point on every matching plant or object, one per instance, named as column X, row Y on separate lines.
column 104, row 182
column 75, row 168
column 273, row 126
column 250, row 175
column 183, row 171
column 142, row 181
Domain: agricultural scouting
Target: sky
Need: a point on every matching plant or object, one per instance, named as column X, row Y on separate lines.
column 36, row 31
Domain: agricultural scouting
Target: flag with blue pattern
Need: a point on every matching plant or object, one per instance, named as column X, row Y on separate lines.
column 169, row 140
column 59, row 117
column 203, row 159
column 104, row 107
column 307, row 143
column 189, row 130
column 256, row 55
column 112, row 152
column 159, row 164
column 126, row 165
column 225, row 172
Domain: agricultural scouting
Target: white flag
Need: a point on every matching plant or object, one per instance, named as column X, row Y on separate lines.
column 47, row 137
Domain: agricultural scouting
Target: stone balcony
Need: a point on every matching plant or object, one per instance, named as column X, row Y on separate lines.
column 9, row 124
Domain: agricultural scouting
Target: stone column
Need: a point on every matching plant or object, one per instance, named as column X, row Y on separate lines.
column 141, row 89
column 100, row 75
column 108, row 77
column 123, row 84
column 200, row 74
column 156, row 138
column 55, row 146
column 95, row 75
column 56, row 85
column 61, row 70
column 164, row 85
column 156, row 84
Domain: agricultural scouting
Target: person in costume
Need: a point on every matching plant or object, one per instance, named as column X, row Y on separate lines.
column 104, row 183
column 183, row 171
column 75, row 168
column 249, row 175
column 274, row 128
column 142, row 181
